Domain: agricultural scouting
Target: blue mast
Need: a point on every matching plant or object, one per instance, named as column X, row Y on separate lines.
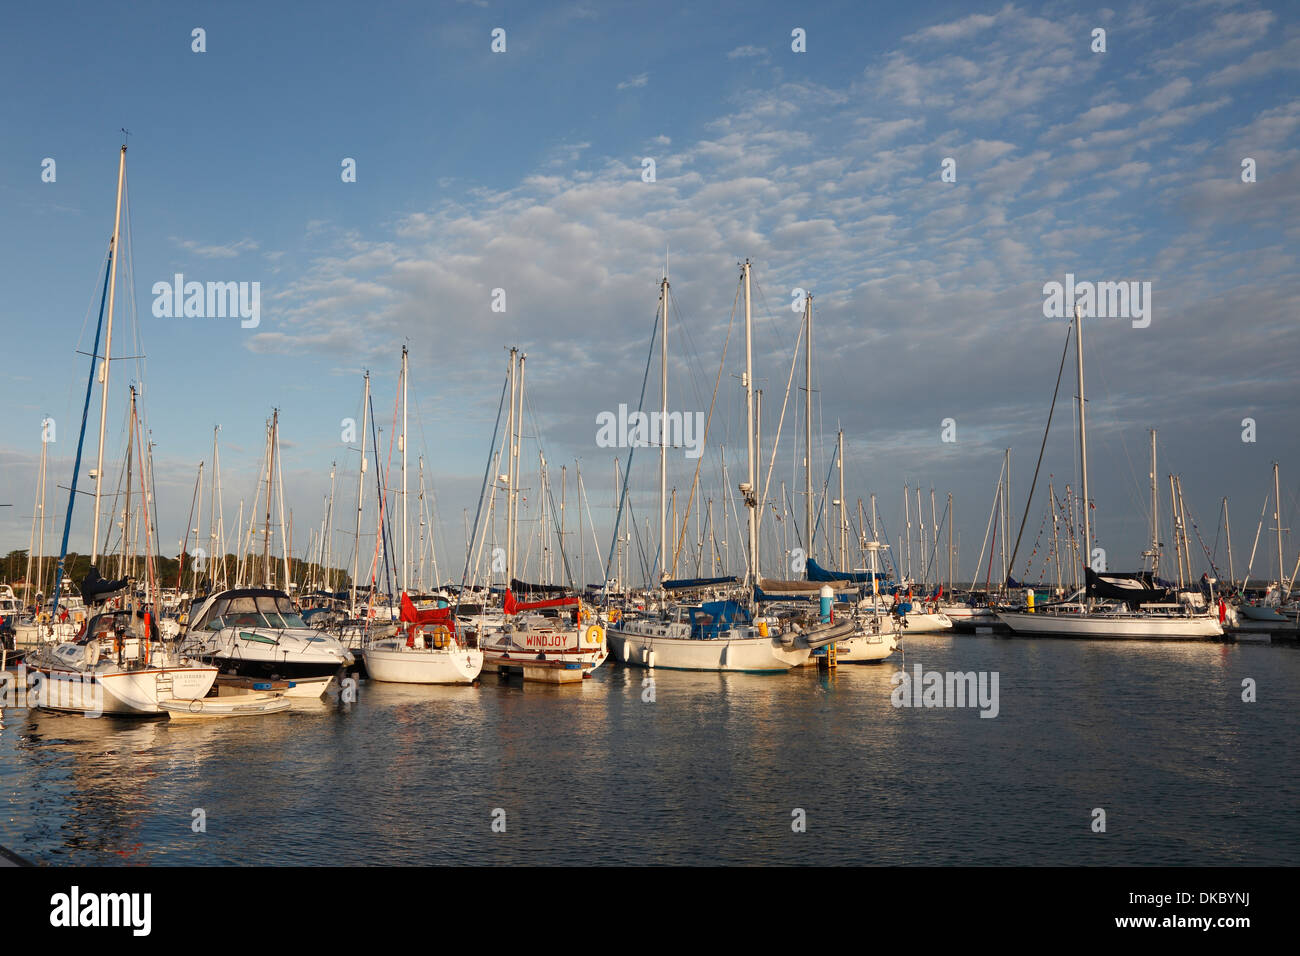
column 81, row 439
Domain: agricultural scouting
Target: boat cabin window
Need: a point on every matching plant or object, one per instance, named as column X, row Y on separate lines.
column 275, row 611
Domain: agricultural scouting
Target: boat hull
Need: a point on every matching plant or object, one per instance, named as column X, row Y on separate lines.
column 1136, row 627
column 865, row 649
column 233, row 705
column 393, row 662
column 129, row 693
column 760, row 655
column 927, row 623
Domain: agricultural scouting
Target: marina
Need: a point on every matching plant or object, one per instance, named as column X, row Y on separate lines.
column 592, row 436
column 714, row 767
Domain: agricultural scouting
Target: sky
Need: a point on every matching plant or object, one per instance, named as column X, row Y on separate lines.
column 924, row 169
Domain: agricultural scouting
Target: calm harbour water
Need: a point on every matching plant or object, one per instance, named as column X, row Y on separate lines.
column 709, row 773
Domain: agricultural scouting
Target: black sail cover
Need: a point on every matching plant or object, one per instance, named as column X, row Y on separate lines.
column 1135, row 588
column 523, row 587
column 95, row 589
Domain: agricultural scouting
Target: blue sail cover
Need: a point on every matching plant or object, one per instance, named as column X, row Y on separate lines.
column 817, row 573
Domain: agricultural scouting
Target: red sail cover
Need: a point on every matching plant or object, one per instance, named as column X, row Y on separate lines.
column 434, row 615
column 514, row 607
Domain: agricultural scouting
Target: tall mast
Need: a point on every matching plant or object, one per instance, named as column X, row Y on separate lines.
column 564, row 491
column 1155, row 518
column 420, row 583
column 1083, row 450
column 286, row 538
column 361, row 490
column 663, row 428
column 1178, row 530
column 213, row 541
column 406, row 552
column 266, row 533
column 1232, row 576
column 950, row 542
column 126, row 511
column 519, row 443
column 934, row 532
column 907, row 515
column 758, row 457
column 40, row 553
column 1182, row 520
column 618, row 558
column 750, row 490
column 510, row 463
column 807, row 430
column 920, row 537
column 38, row 515
column 1277, row 520
column 844, row 528
column 108, row 348
column 328, row 533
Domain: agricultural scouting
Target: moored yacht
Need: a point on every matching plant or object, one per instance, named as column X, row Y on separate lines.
column 119, row 666
column 1125, row 606
column 426, row 650
column 257, row 633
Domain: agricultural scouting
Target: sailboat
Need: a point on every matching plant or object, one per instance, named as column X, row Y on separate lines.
column 723, row 634
column 426, row 650
column 257, row 632
column 1110, row 605
column 118, row 665
column 561, row 647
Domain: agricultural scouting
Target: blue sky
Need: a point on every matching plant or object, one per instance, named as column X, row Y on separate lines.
column 522, row 170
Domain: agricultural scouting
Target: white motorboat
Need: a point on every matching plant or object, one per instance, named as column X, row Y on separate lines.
column 256, row 633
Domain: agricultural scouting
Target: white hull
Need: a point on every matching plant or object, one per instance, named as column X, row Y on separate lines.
column 927, row 623
column 865, row 649
column 120, row 692
column 753, row 654
column 551, row 654
column 964, row 614
column 393, row 662
column 234, row 705
column 1119, row 626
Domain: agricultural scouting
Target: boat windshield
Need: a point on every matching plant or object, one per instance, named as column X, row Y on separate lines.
column 261, row 611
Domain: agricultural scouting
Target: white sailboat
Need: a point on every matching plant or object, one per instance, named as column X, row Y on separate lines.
column 1087, row 618
column 426, row 650
column 878, row 633
column 720, row 635
column 422, row 659
column 547, row 641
